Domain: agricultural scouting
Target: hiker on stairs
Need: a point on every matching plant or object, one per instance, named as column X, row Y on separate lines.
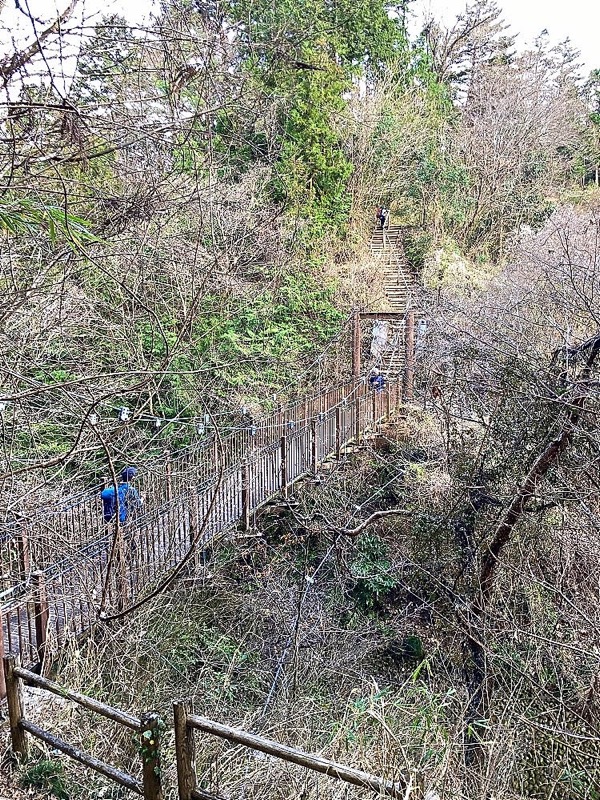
column 383, row 217
column 376, row 380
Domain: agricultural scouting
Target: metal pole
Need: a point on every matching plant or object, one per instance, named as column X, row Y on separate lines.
column 409, row 357
column 245, row 498
column 284, row 475
column 356, row 347
column 40, row 604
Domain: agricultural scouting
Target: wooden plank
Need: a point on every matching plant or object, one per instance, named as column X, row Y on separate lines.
column 122, row 778
column 115, row 714
column 313, row 762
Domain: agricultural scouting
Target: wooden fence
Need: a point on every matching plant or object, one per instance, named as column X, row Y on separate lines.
column 186, row 722
column 59, row 563
column 150, row 728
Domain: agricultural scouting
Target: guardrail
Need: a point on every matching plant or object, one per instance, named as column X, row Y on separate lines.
column 148, row 726
column 186, row 722
column 149, row 729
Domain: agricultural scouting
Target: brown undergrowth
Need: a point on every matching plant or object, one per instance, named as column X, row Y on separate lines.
column 352, row 648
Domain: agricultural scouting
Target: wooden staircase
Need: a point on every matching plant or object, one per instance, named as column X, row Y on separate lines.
column 399, row 288
column 392, row 359
column 398, row 283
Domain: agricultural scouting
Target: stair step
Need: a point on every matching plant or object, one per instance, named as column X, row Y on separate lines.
column 397, row 284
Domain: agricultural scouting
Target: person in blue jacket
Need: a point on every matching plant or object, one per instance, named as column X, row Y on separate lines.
column 376, row 380
column 129, row 499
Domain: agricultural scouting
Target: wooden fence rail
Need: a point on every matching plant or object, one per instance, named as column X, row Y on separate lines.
column 149, row 729
column 186, row 722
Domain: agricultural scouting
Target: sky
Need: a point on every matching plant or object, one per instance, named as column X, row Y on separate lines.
column 577, row 19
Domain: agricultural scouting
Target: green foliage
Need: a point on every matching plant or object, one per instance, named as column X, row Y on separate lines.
column 412, row 646
column 269, row 333
column 410, row 162
column 307, row 53
column 372, row 571
column 242, row 144
column 48, row 776
column 49, row 438
column 53, row 376
column 312, row 173
column 148, row 744
column 24, row 217
column 105, row 61
column 417, row 243
column 356, row 33
column 200, row 644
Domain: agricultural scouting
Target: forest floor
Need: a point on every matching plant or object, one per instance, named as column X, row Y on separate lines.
column 10, row 788
column 37, row 704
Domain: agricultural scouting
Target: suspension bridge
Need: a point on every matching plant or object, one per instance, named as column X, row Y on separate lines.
column 63, row 568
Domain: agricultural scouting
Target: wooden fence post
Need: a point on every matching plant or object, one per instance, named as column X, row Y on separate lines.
column 150, row 737
column 40, row 610
column 184, row 749
column 409, row 355
column 357, row 415
column 245, row 498
column 14, row 696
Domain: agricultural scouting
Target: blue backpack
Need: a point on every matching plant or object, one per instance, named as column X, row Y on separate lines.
column 128, row 500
